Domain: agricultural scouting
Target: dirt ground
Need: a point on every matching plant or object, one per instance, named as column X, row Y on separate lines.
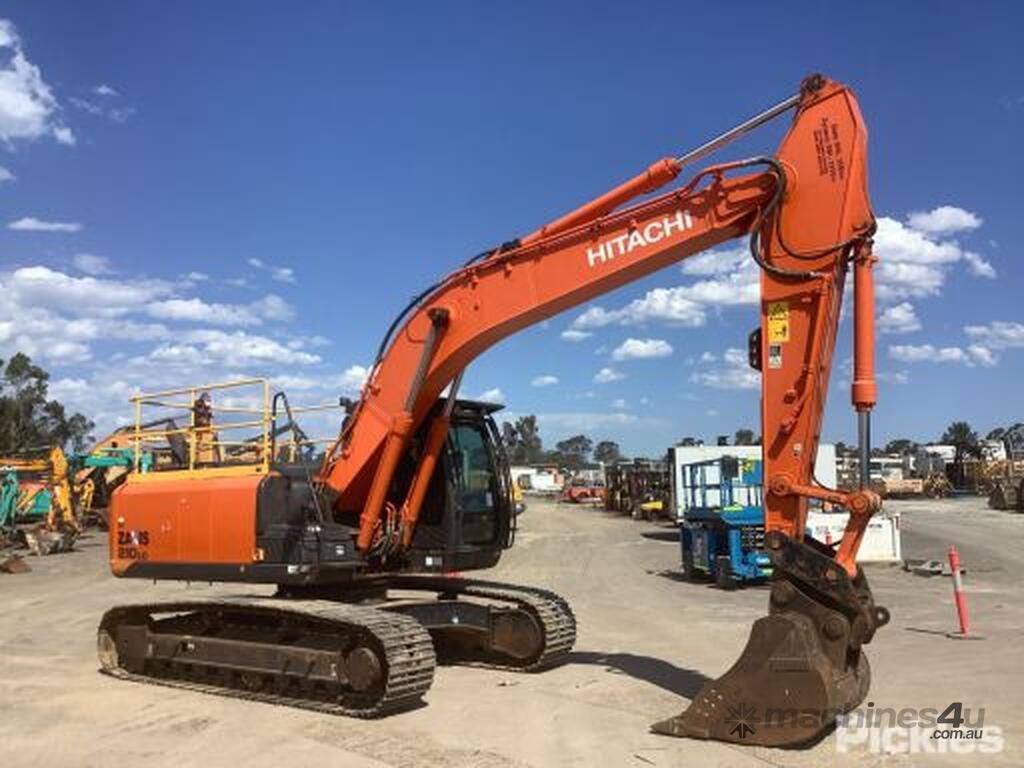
column 647, row 641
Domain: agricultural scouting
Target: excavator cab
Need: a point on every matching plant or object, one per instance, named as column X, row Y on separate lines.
column 468, row 513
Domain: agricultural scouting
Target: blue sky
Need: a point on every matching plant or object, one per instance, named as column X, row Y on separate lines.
column 196, row 190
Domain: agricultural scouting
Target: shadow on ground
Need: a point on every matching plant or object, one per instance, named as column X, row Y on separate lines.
column 662, row 534
column 665, row 675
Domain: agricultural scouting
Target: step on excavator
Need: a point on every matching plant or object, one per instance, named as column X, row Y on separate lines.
column 368, row 549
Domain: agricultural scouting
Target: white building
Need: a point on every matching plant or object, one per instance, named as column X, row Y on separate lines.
column 932, row 459
column 538, row 479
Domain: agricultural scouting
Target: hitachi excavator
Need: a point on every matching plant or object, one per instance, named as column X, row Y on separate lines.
column 368, row 549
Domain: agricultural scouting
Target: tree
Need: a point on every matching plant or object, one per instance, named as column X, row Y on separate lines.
column 744, row 437
column 901, row 445
column 575, row 450
column 607, row 452
column 960, row 435
column 996, row 434
column 522, row 440
column 28, row 421
column 691, row 441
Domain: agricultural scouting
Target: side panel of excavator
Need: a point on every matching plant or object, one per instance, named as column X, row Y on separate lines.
column 243, row 524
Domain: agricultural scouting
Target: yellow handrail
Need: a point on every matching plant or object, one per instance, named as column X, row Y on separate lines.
column 207, row 435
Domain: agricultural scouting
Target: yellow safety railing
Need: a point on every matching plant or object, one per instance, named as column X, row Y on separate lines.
column 209, row 420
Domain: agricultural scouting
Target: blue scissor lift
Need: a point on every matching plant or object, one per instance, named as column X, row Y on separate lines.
column 722, row 530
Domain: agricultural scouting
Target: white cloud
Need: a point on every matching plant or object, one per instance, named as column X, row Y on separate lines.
column 944, row 220
column 734, row 373
column 619, row 403
column 494, row 395
column 92, row 264
column 608, row 375
column 104, row 90
column 893, row 377
column 272, row 307
column 899, row 318
column 349, row 382
column 43, row 287
column 979, row 266
column 668, row 305
column 196, row 310
column 913, row 263
column 998, row 334
column 238, row 349
column 572, row 334
column 116, row 114
column 716, row 262
column 731, row 279
column 982, row 355
column 975, row 354
column 6, row 175
column 353, row 378
column 283, row 274
column 64, row 135
column 32, row 224
column 917, row 353
column 197, row 277
column 68, row 352
column 544, row 381
column 28, row 108
column 642, row 349
column 280, row 274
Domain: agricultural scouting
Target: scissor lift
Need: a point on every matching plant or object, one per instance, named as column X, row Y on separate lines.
column 722, row 530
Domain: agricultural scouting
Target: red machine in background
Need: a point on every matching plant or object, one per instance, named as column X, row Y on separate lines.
column 417, row 485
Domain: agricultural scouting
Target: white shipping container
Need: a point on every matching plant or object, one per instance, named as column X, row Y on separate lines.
column 824, row 467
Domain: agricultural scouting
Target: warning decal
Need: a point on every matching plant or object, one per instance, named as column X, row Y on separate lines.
column 778, row 322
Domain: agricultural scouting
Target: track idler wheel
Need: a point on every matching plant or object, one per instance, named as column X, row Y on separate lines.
column 803, row 664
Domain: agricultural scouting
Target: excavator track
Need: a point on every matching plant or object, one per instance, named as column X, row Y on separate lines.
column 553, row 616
column 311, row 654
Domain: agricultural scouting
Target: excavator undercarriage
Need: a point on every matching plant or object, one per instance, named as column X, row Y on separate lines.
column 367, row 549
column 349, row 652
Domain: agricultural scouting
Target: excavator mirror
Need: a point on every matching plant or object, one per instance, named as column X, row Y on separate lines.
column 754, row 349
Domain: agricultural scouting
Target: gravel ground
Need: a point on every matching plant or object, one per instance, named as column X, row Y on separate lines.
column 647, row 642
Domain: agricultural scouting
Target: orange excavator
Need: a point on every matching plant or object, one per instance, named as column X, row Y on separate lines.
column 368, row 549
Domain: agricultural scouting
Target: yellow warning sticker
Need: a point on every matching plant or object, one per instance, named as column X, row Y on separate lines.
column 778, row 321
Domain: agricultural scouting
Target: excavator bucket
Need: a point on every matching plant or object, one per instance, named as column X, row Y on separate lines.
column 804, row 663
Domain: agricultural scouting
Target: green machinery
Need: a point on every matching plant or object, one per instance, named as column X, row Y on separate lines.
column 23, row 501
